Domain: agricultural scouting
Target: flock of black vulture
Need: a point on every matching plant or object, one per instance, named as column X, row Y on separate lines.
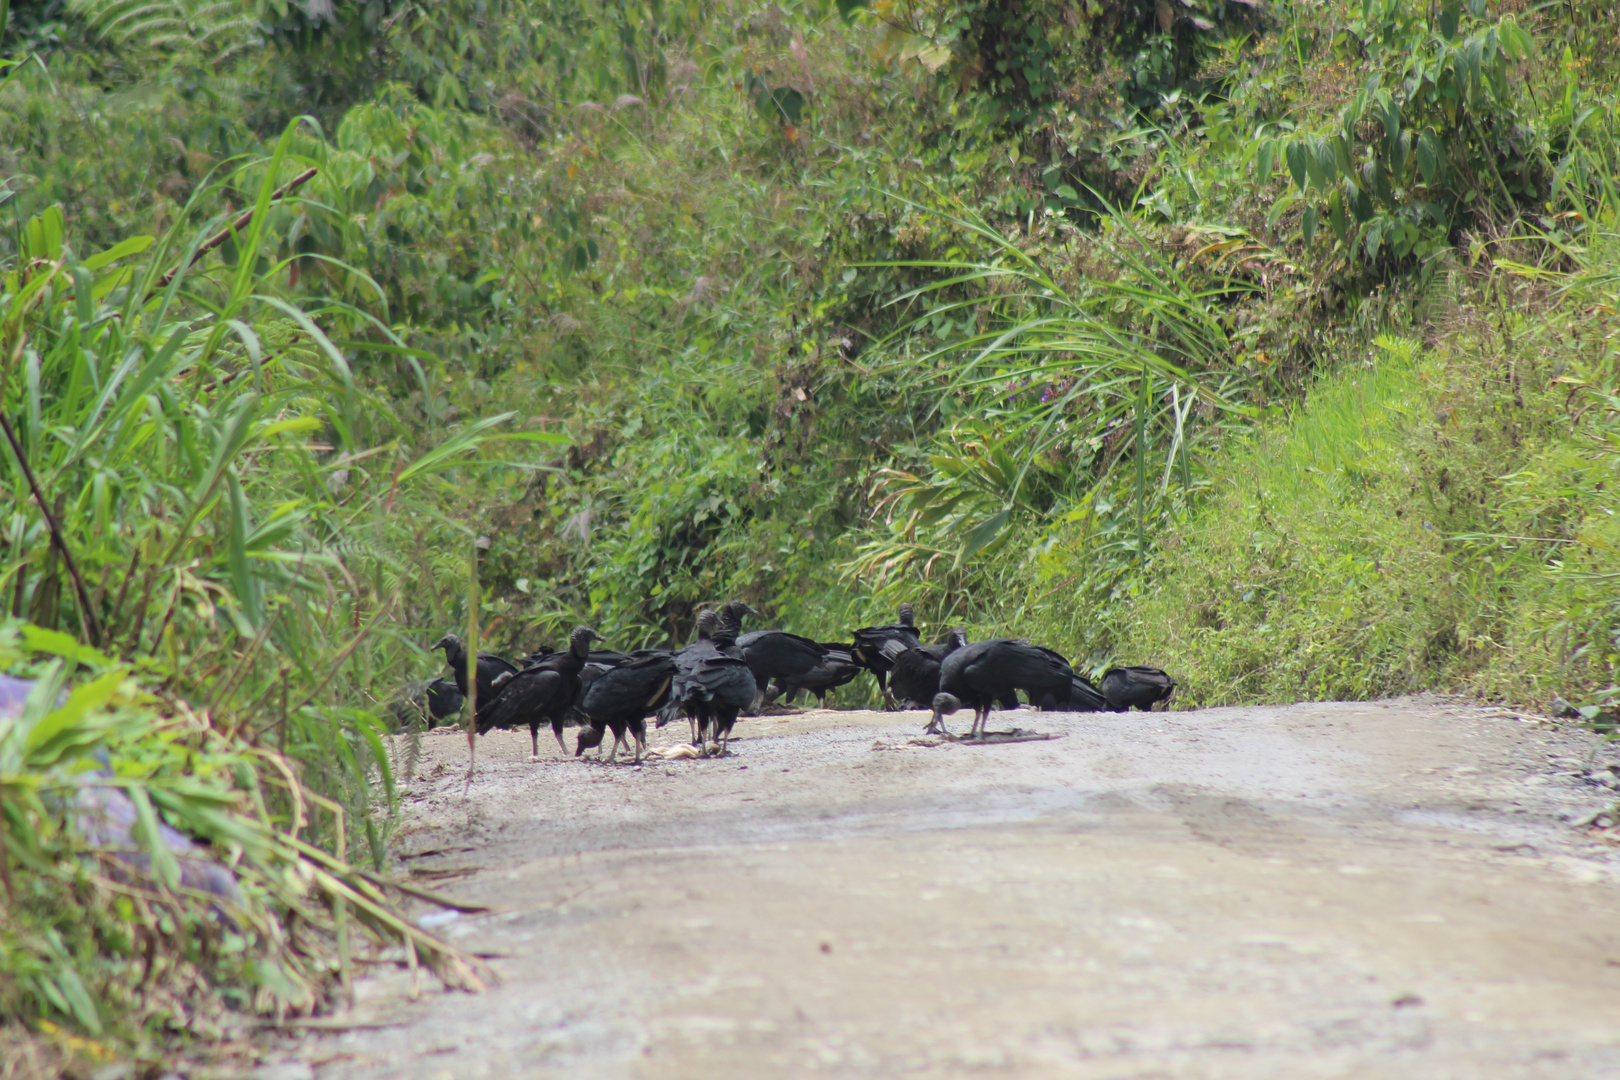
column 727, row 673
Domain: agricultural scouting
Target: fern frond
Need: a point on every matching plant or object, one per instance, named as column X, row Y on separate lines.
column 215, row 28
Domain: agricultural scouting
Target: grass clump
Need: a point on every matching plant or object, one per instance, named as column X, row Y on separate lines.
column 1431, row 517
column 161, row 886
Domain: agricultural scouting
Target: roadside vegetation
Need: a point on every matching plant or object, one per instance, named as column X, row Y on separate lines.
column 1267, row 343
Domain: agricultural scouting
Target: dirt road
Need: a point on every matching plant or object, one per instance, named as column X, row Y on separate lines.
column 1343, row 890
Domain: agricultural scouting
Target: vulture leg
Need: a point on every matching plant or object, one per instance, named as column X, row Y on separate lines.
column 557, row 730
column 889, row 703
column 534, row 741
column 472, row 756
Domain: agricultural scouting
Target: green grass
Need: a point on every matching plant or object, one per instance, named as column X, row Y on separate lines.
column 1429, row 518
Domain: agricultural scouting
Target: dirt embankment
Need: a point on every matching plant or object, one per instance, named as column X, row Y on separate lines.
column 1340, row 890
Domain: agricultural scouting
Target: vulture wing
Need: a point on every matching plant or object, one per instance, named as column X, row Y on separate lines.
column 531, row 695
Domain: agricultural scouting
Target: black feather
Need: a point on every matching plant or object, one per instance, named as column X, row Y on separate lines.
column 1136, row 687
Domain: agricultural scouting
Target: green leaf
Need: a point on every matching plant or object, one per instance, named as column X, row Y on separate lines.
column 1431, row 158
column 440, row 457
column 1314, row 167
column 790, row 103
column 848, row 8
column 1308, row 223
column 1342, row 161
column 1402, row 156
column 1450, row 15
column 1327, row 156
column 1265, row 159
column 1374, row 239
column 1295, row 154
column 984, row 534
column 55, row 732
column 133, row 246
column 164, row 866
column 39, row 639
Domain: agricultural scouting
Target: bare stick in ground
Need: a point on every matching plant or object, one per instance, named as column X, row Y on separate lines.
column 236, row 226
column 92, row 627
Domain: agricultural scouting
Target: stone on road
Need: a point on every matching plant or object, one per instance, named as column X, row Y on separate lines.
column 1388, row 889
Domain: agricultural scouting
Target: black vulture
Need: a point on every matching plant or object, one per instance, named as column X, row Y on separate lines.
column 985, row 672
column 914, row 674
column 869, row 643
column 717, row 690
column 541, row 692
column 621, row 697
column 488, row 669
column 444, row 699
column 770, row 654
column 601, row 660
column 837, row 667
column 422, row 706
column 711, row 685
column 917, row 684
column 686, row 661
column 1136, row 687
column 1084, row 697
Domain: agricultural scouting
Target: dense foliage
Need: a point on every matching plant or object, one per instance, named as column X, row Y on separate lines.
column 1268, row 343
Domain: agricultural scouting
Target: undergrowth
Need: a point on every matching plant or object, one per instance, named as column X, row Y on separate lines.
column 1433, row 516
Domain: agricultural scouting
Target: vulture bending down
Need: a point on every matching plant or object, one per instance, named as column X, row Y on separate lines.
column 621, row 698
column 914, row 674
column 1136, row 688
column 1083, row 697
column 541, row 692
column 985, row 672
column 422, row 706
column 837, row 667
column 871, row 640
column 443, row 699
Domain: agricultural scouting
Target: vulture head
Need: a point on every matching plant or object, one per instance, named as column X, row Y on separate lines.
column 589, row 738
column 944, row 705
column 707, row 623
column 731, row 615
column 579, row 642
column 908, row 614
